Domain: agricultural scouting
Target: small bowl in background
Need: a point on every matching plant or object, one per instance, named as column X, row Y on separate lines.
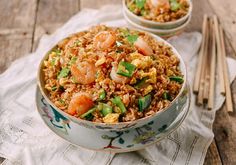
column 157, row 25
column 164, row 33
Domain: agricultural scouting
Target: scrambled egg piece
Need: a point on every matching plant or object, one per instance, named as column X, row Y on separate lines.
column 133, row 80
column 141, row 61
column 135, row 55
column 111, row 118
column 152, row 74
column 148, row 89
column 52, row 54
column 170, row 72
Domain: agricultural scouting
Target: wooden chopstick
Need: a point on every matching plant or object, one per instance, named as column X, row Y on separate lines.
column 212, row 54
column 219, row 59
column 203, row 66
column 200, row 60
column 212, row 70
column 207, row 63
column 229, row 103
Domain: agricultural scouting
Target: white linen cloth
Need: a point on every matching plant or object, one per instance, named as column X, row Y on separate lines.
column 25, row 139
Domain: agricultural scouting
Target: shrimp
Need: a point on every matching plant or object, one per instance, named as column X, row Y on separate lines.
column 104, row 40
column 80, row 103
column 160, row 4
column 84, row 72
column 143, row 47
column 114, row 76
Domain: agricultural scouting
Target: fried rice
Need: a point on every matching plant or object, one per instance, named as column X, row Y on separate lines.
column 159, row 10
column 111, row 75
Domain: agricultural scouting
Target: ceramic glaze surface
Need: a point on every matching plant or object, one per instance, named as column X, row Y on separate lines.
column 115, row 141
column 166, row 33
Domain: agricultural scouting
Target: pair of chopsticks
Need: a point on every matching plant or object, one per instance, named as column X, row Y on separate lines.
column 212, row 55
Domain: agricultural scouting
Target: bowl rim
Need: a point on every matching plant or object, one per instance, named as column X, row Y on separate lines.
column 157, row 30
column 159, row 23
column 183, row 118
column 159, row 39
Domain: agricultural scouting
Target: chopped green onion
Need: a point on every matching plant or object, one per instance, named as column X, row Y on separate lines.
column 166, row 96
column 140, row 3
column 62, row 101
column 106, row 109
column 117, row 101
column 132, row 38
column 174, row 5
column 63, row 73
column 76, row 43
column 177, row 79
column 89, row 117
column 53, row 61
column 102, row 94
column 144, row 102
column 57, row 51
column 143, row 12
column 126, row 69
column 88, row 113
column 140, row 83
column 124, row 32
column 132, row 7
column 73, row 60
column 118, row 44
column 54, row 88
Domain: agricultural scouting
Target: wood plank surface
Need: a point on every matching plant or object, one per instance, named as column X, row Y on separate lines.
column 52, row 14
column 225, row 136
column 16, row 29
column 225, row 10
column 212, row 157
column 200, row 7
column 17, row 14
column 97, row 4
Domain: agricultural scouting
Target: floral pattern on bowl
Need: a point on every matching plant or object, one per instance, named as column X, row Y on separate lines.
column 115, row 141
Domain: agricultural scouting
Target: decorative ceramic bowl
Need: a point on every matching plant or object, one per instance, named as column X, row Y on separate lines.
column 164, row 33
column 114, row 141
column 157, row 25
column 168, row 114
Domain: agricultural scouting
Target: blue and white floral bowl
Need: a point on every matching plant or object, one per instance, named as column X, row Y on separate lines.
column 166, row 115
column 113, row 141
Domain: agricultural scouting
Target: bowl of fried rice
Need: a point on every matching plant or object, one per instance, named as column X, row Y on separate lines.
column 158, row 14
column 113, row 78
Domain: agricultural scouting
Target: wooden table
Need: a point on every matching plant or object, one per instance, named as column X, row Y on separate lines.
column 23, row 22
